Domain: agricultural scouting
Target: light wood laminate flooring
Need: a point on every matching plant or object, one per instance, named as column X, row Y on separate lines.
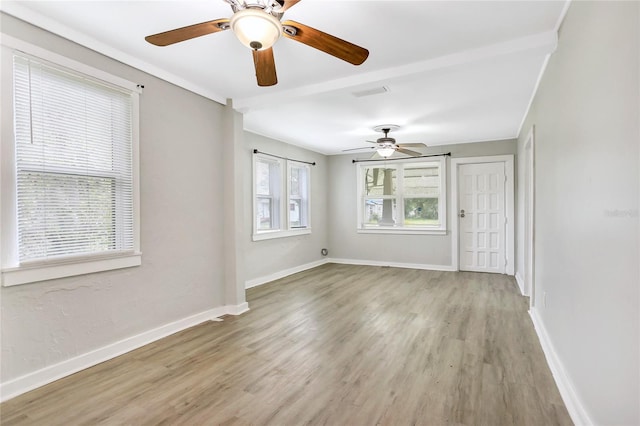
column 335, row 345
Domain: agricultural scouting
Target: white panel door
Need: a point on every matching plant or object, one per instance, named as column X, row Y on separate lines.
column 481, row 217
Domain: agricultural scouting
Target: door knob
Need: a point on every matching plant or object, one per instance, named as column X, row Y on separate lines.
column 461, row 213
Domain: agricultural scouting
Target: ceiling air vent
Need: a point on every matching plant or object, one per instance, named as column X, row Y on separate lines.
column 369, row 92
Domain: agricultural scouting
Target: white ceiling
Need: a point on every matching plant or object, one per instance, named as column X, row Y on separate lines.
column 457, row 71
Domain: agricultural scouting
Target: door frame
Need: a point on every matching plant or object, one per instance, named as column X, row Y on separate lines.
column 509, row 211
column 529, row 218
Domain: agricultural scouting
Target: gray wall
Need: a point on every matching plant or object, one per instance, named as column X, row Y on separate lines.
column 266, row 257
column 586, row 115
column 430, row 250
column 181, row 235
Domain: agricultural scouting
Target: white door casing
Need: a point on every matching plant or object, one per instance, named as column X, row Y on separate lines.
column 529, row 203
column 483, row 240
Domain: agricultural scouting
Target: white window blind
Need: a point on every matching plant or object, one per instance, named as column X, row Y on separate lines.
column 74, row 175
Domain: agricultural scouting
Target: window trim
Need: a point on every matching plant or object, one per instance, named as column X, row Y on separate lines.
column 361, row 228
column 12, row 271
column 284, row 230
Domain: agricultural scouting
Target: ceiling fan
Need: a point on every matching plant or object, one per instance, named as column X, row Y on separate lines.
column 386, row 146
column 257, row 25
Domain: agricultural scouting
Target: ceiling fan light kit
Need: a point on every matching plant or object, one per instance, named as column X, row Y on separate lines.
column 255, row 28
column 386, row 151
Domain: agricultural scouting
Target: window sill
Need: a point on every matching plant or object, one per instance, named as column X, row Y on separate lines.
column 402, row 231
column 72, row 267
column 268, row 235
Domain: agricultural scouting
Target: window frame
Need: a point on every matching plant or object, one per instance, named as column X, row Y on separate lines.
column 14, row 272
column 303, row 198
column 284, row 181
column 399, row 198
column 275, row 198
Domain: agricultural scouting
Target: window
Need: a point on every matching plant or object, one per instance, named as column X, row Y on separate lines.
column 273, row 179
column 268, row 186
column 75, row 148
column 406, row 196
column 298, row 181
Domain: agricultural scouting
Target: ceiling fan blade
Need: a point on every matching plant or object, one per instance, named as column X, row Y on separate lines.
column 402, row 145
column 372, row 141
column 327, row 43
column 408, row 152
column 186, row 33
column 356, row 149
column 287, row 4
column 265, row 67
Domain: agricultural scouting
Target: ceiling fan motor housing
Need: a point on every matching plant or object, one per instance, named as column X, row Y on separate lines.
column 386, row 140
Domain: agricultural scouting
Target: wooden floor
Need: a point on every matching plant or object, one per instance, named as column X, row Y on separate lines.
column 336, row 345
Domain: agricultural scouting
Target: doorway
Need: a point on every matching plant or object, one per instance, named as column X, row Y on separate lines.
column 482, row 201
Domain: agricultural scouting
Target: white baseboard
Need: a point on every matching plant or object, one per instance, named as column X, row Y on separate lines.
column 576, row 409
column 285, row 273
column 30, row 381
column 237, row 309
column 520, row 282
column 447, row 268
column 281, row 274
